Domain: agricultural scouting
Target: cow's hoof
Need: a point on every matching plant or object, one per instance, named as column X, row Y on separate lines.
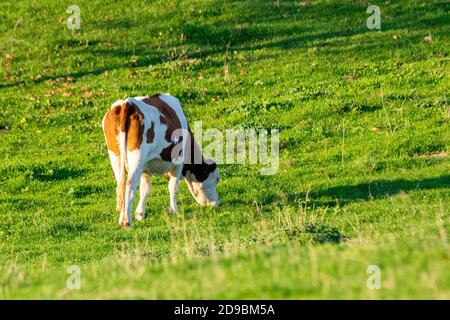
column 138, row 216
column 172, row 211
column 125, row 225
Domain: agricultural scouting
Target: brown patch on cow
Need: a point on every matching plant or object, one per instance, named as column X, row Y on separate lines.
column 168, row 117
column 126, row 118
column 134, row 127
column 200, row 171
column 150, row 133
column 111, row 126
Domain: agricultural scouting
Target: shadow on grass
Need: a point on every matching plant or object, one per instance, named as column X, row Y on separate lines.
column 54, row 173
column 254, row 25
column 316, row 234
column 372, row 190
column 67, row 229
column 49, row 171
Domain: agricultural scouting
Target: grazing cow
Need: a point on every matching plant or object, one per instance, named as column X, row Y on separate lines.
column 148, row 136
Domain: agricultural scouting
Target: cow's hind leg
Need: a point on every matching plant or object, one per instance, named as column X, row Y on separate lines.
column 144, row 191
column 115, row 164
column 134, row 174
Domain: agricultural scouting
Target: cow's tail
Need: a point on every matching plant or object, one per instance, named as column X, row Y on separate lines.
column 123, row 157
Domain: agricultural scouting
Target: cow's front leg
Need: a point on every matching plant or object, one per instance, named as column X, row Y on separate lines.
column 144, row 191
column 173, row 188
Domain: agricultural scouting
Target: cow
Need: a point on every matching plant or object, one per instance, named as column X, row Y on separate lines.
column 149, row 136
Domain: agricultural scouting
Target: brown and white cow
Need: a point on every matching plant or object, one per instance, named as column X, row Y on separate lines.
column 148, row 136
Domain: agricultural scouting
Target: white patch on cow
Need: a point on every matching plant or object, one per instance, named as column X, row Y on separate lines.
column 122, row 150
column 115, row 164
column 151, row 116
column 140, row 98
column 103, row 123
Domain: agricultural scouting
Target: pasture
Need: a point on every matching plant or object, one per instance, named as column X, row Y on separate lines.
column 364, row 171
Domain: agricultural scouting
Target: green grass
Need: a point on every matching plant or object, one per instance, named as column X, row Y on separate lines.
column 364, row 173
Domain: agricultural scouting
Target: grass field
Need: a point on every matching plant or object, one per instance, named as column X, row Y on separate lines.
column 364, row 175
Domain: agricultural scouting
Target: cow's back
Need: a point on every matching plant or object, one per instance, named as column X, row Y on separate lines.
column 150, row 125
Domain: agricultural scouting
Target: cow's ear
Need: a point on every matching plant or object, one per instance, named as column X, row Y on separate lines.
column 212, row 167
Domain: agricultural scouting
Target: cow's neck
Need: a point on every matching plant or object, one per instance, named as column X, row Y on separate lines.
column 195, row 167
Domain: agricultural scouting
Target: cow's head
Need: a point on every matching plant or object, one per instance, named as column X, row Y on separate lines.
column 202, row 180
